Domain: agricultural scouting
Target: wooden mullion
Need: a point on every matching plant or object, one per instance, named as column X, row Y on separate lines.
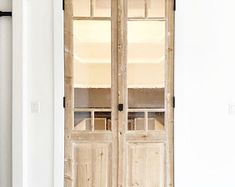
column 114, row 90
column 146, row 8
column 169, row 93
column 68, row 73
column 92, row 8
column 92, row 121
column 146, row 121
column 92, row 18
column 129, row 19
column 122, row 90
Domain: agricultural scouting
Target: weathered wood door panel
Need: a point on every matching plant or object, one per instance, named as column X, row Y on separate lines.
column 92, row 164
column 119, row 93
column 146, row 164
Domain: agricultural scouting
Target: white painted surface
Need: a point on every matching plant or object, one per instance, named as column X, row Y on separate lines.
column 40, row 89
column 44, row 80
column 58, row 80
column 5, row 96
column 205, row 64
column 19, row 96
column 204, row 133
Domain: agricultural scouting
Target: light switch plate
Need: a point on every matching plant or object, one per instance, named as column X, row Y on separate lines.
column 35, row 107
column 231, row 109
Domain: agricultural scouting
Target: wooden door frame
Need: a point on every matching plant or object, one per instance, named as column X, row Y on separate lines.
column 169, row 92
column 119, row 40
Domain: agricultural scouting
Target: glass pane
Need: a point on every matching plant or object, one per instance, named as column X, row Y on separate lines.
column 102, row 8
column 100, row 124
column 81, row 8
column 92, row 63
column 82, row 121
column 92, row 74
column 156, row 8
column 102, row 121
column 136, row 121
column 155, row 121
column 136, row 8
column 146, row 64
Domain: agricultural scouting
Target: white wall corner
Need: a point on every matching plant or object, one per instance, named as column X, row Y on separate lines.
column 19, row 95
column 58, row 45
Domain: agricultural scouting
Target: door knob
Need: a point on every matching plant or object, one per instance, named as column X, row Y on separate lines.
column 120, row 107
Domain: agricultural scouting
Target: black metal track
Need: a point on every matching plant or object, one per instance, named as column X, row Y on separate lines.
column 5, row 13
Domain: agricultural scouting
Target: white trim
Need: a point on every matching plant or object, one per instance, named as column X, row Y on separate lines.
column 58, row 82
column 19, row 96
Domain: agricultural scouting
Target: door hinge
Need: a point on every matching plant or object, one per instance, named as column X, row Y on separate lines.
column 174, row 5
column 5, row 13
column 173, row 102
column 64, row 102
column 120, row 107
column 63, row 4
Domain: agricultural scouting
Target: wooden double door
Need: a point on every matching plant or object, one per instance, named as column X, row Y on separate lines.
column 119, row 93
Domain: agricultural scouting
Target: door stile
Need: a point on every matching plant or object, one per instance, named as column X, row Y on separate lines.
column 122, row 90
column 68, row 50
column 72, row 137
column 68, row 28
column 114, row 89
column 169, row 95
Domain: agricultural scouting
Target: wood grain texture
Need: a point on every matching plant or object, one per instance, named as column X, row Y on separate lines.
column 122, row 89
column 114, row 90
column 68, row 73
column 92, row 164
column 90, row 157
column 120, row 158
column 169, row 114
column 146, row 164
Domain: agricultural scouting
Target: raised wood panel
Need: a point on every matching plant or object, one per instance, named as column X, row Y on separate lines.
column 92, row 166
column 146, row 165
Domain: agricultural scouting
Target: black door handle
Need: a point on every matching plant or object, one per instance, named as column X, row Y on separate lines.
column 120, row 107
column 5, row 13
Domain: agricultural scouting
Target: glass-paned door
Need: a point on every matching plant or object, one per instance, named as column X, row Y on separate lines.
column 90, row 129
column 119, row 93
column 147, row 95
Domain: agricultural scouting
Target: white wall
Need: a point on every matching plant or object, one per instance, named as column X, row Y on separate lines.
column 5, row 95
column 205, row 64
column 40, row 93
column 44, row 59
